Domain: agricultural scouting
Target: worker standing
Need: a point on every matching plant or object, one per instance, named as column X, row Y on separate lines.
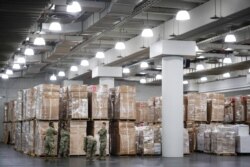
column 103, row 141
column 49, row 143
column 64, row 141
column 89, row 147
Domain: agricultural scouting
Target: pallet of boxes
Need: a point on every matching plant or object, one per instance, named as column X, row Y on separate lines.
column 77, row 115
column 98, row 96
column 122, row 131
column 18, row 112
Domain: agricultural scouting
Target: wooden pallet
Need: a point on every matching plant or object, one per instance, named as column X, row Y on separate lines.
column 226, row 154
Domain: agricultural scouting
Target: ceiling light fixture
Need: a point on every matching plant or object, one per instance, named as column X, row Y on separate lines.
column 120, row 46
column 201, row 57
column 182, row 15
column 39, row 41
column 200, row 67
column 16, row 67
column 18, row 49
column 29, row 52
column 53, row 77
column 21, row 60
column 228, row 49
column 230, row 38
column 147, row 33
column 158, row 77
column 27, row 39
column 203, row 79
column 55, row 26
column 226, row 75
column 74, row 7
column 5, row 76
column 9, row 72
column 185, row 82
column 227, row 60
column 61, row 74
column 144, row 64
column 100, row 55
column 73, row 68
column 143, row 81
column 84, row 63
column 125, row 70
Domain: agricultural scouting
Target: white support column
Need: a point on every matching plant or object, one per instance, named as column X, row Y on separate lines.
column 107, row 81
column 172, row 106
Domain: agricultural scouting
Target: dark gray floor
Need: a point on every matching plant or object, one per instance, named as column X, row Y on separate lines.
column 11, row 158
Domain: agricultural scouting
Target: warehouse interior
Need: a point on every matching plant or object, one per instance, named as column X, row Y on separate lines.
column 170, row 78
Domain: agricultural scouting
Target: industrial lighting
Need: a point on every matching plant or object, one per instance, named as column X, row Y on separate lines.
column 125, row 70
column 21, row 60
column 9, row 72
column 61, row 74
column 18, row 49
column 185, row 82
column 53, row 77
column 27, row 39
column 147, row 33
column 100, row 55
column 158, row 77
column 55, row 26
column 73, row 68
column 39, row 41
column 228, row 49
column 201, row 57
column 53, row 7
column 144, row 65
column 16, row 67
column 203, row 79
column 227, row 60
column 143, row 81
column 29, row 52
column 226, row 75
column 182, row 15
column 5, row 76
column 84, row 63
column 158, row 68
column 74, row 7
column 230, row 38
column 120, row 46
column 200, row 67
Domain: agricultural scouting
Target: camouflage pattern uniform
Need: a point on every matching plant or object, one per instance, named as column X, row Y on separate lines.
column 49, row 141
column 89, row 147
column 103, row 143
column 64, row 143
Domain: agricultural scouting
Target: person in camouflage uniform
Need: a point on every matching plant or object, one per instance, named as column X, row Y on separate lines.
column 89, row 147
column 103, row 141
column 49, row 143
column 64, row 142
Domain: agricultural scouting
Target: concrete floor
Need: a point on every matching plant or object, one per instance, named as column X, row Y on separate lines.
column 11, row 158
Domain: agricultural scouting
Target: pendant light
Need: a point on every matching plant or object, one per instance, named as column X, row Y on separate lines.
column 55, row 26
column 230, row 38
column 74, row 7
column 203, row 79
column 226, row 75
column 84, row 63
column 29, row 52
column 227, row 60
column 182, row 15
column 147, row 32
column 53, row 77
column 125, row 70
column 16, row 67
column 100, row 55
column 9, row 72
column 5, row 76
column 120, row 45
column 39, row 41
column 61, row 74
column 185, row 82
column 200, row 67
column 74, row 68
column 144, row 64
column 143, row 81
column 158, row 77
column 21, row 60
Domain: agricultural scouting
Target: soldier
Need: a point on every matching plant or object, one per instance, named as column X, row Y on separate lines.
column 89, row 147
column 64, row 142
column 49, row 143
column 103, row 141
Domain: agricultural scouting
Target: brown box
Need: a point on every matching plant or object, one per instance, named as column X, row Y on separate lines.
column 144, row 113
column 28, row 137
column 78, row 130
column 125, row 89
column 48, row 88
column 215, row 107
column 77, row 88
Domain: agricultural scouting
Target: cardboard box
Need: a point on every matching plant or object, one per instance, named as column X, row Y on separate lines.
column 18, row 136
column 77, row 88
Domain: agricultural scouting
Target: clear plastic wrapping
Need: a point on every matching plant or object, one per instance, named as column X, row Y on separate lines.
column 239, row 109
column 229, row 110
column 157, row 108
column 18, row 136
column 19, row 106
column 144, row 113
column 30, row 103
column 248, row 109
column 28, row 140
column 215, row 107
column 186, row 142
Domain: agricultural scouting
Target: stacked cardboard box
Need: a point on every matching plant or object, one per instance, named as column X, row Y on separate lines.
column 125, row 104
column 18, row 136
column 40, row 132
column 196, row 107
column 248, row 109
column 28, row 133
column 77, row 102
column 77, row 133
column 229, row 110
column 93, row 129
column 98, row 101
column 123, row 137
column 215, row 107
column 144, row 113
column 157, row 109
column 186, row 146
column 19, row 106
column 29, row 104
column 239, row 109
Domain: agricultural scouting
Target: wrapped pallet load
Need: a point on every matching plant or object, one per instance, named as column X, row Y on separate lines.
column 47, row 102
column 19, row 106
column 248, row 109
column 229, row 110
column 186, row 146
column 78, row 130
column 98, row 101
column 28, row 134
column 123, row 138
column 125, row 104
column 239, row 109
column 215, row 107
column 30, row 103
column 77, row 102
column 40, row 132
column 200, row 136
column 18, row 136
column 157, row 109
column 143, row 113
